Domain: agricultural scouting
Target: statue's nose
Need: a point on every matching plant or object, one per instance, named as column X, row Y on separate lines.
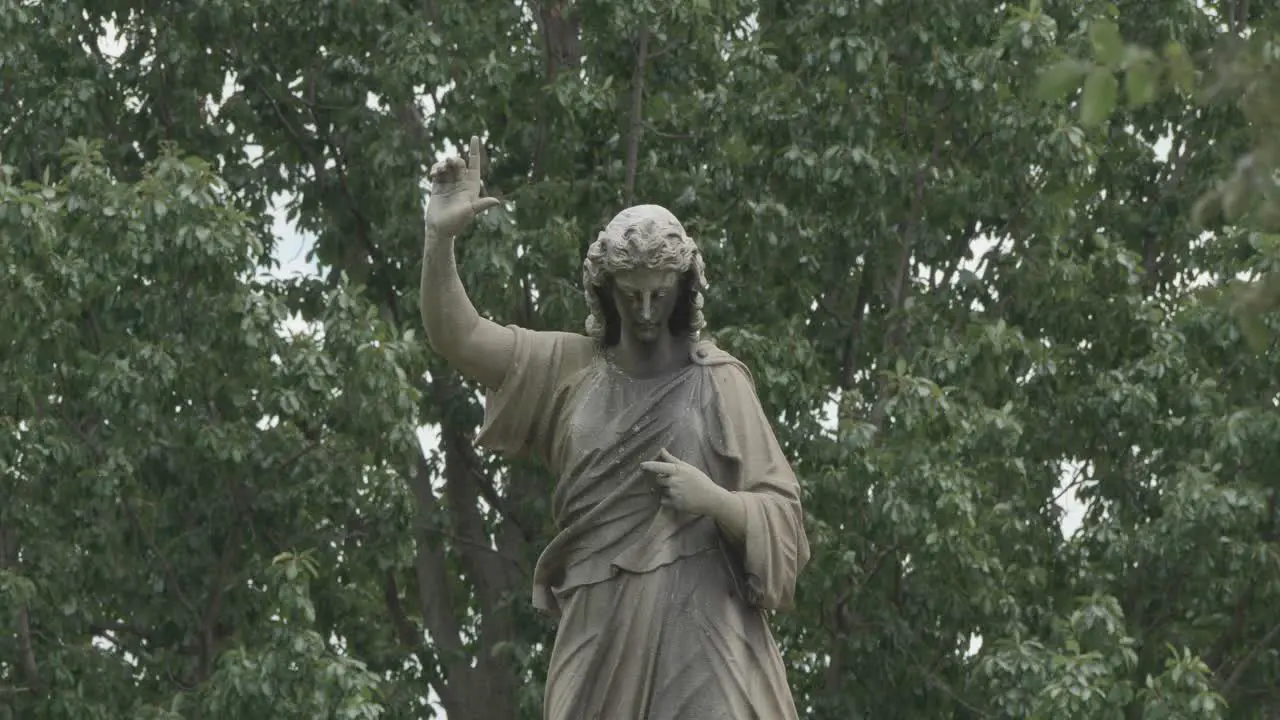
column 646, row 308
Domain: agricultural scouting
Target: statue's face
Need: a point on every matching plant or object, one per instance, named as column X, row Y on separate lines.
column 645, row 300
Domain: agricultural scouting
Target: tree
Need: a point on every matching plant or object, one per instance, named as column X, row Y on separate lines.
column 162, row 438
column 961, row 304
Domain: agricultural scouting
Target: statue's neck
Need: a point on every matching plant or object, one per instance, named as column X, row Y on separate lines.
column 651, row 359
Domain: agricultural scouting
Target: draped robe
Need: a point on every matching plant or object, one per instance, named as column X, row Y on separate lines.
column 661, row 616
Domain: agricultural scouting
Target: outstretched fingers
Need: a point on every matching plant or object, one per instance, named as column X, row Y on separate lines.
column 475, row 158
column 447, row 171
column 438, row 172
column 479, row 205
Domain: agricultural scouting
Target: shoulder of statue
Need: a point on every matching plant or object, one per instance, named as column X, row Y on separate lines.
column 581, row 342
column 581, row 350
column 706, row 353
column 572, row 341
column 567, row 351
column 735, row 387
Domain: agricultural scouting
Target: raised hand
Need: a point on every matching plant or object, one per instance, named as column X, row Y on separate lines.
column 455, row 192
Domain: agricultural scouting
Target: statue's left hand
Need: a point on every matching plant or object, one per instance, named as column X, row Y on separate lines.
column 686, row 488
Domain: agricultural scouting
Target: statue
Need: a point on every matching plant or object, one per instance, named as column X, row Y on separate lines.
column 679, row 519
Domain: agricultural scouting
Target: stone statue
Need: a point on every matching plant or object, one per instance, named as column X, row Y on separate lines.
column 679, row 518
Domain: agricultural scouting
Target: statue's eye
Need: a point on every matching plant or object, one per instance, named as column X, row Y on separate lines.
column 660, row 294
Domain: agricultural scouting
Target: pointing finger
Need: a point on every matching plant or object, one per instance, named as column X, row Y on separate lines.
column 666, row 455
column 661, row 468
column 475, row 157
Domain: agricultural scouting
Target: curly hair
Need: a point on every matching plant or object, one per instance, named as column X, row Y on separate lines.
column 649, row 237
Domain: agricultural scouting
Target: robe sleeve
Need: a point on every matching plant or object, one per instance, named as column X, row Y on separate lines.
column 775, row 546
column 519, row 416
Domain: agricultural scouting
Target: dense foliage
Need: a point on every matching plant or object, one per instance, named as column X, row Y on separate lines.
column 957, row 242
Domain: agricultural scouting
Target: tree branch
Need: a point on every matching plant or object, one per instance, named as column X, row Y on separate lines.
column 637, row 118
column 1075, row 482
column 406, row 632
column 208, row 625
column 961, row 245
column 513, row 562
column 561, row 48
column 102, row 628
column 410, row 636
column 171, row 577
column 461, row 496
column 865, row 281
column 662, row 133
column 1238, row 673
column 560, row 37
column 898, row 291
column 435, row 601
column 437, row 604
column 26, row 649
column 377, row 261
column 492, row 579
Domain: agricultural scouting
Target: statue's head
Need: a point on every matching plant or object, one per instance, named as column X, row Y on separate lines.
column 643, row 276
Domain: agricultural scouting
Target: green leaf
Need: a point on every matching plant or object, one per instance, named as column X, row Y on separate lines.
column 1253, row 329
column 1099, row 97
column 1061, row 78
column 1207, row 209
column 1141, row 82
column 1181, row 69
column 1108, row 46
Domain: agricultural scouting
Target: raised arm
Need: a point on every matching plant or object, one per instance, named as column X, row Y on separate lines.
column 478, row 348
